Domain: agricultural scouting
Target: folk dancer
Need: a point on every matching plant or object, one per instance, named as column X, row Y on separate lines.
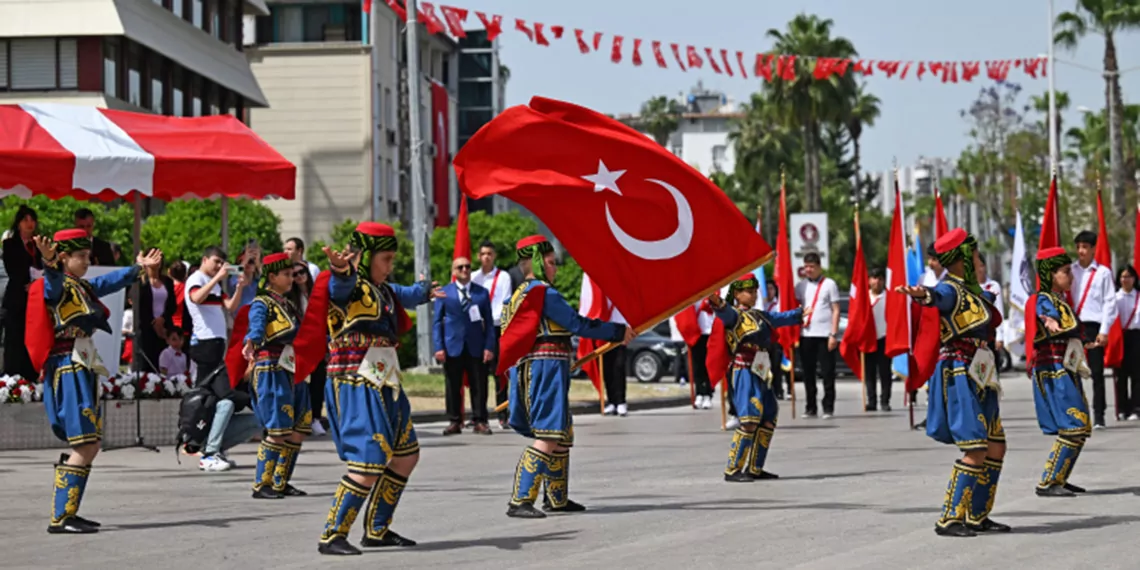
column 964, row 389
column 64, row 311
column 281, row 403
column 1093, row 298
column 748, row 332
column 535, row 345
column 369, row 415
column 1057, row 363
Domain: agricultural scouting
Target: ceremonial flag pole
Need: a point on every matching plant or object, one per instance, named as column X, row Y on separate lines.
column 1114, row 351
column 602, row 392
column 861, row 336
column 785, row 282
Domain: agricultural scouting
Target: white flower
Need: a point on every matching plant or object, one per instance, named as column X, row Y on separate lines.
column 169, row 387
column 5, row 391
column 127, row 391
column 26, row 394
column 39, row 391
column 149, row 387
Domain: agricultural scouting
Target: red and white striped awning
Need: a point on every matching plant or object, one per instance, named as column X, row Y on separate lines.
column 67, row 150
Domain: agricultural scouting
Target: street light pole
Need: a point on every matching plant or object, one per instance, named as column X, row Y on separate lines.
column 1116, row 178
column 1052, row 94
column 419, row 202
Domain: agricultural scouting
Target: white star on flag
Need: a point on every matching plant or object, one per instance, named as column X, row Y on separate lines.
column 605, row 179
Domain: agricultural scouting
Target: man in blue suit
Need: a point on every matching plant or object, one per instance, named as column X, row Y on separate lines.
column 464, row 338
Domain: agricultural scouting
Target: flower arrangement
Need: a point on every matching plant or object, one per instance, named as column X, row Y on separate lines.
column 16, row 390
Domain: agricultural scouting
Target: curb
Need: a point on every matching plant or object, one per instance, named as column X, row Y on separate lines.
column 430, row 416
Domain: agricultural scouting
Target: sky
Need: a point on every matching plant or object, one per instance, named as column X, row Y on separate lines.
column 919, row 118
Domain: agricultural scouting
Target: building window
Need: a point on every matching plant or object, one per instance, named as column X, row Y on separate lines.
column 213, row 18
column 111, row 67
column 718, row 156
column 197, row 15
column 211, row 98
column 393, row 183
column 330, row 23
column 177, row 91
column 33, row 63
column 3, row 64
column 388, row 113
column 134, row 75
column 178, row 7
column 68, row 67
column 229, row 106
column 195, row 96
column 158, row 79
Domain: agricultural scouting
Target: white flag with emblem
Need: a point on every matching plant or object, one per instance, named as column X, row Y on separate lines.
column 1020, row 283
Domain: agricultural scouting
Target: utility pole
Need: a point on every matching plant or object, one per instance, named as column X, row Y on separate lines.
column 419, row 202
column 1052, row 95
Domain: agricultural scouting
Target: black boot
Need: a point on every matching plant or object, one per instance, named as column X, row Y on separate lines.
column 956, row 529
column 388, row 539
column 72, row 525
column 989, row 525
column 267, row 493
column 569, row 507
column 1074, row 488
column 291, row 491
column 765, row 475
column 1054, row 491
column 95, row 524
column 738, row 477
column 338, row 546
column 524, row 511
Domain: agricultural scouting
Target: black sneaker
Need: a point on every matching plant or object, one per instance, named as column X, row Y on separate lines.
column 390, row 538
column 1068, row 486
column 72, row 525
column 955, row 529
column 338, row 546
column 989, row 525
column 90, row 522
column 738, row 477
column 1054, row 491
column 569, row 507
column 267, row 493
column 291, row 491
column 524, row 511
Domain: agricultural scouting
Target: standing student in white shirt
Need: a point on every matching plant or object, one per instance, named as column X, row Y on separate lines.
column 1128, row 375
column 876, row 365
column 1093, row 298
column 819, row 296
column 499, row 285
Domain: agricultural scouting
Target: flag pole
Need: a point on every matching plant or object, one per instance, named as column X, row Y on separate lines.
column 862, row 355
column 602, row 388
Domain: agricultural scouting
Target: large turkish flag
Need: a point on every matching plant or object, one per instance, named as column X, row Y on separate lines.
column 633, row 215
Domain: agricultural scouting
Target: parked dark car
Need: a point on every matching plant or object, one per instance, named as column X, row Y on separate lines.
column 652, row 355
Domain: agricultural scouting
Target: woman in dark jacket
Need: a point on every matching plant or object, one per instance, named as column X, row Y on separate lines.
column 21, row 257
column 155, row 316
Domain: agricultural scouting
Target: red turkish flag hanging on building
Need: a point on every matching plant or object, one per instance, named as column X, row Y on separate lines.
column 440, row 179
column 623, row 206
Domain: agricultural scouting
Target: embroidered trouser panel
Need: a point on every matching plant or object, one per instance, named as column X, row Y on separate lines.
column 70, row 482
column 738, row 451
column 529, row 474
column 985, row 491
column 959, row 492
column 268, row 455
column 285, row 465
column 382, row 504
column 760, row 444
column 1061, row 460
column 558, row 479
column 349, row 498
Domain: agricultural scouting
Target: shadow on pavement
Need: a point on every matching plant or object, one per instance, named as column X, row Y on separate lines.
column 222, row 522
column 1077, row 524
column 500, row 543
column 822, row 476
column 722, row 505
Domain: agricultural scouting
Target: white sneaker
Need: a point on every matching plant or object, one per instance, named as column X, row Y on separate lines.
column 707, row 405
column 1133, row 417
column 1099, row 426
column 213, row 463
column 826, row 416
column 733, row 422
column 698, row 402
column 622, row 410
column 610, row 410
column 318, row 429
column 226, row 458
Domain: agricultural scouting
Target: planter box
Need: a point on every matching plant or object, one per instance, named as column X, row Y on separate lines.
column 25, row 426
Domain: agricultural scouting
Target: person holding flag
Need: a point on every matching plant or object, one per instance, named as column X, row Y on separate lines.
column 355, row 317
column 63, row 313
column 535, row 346
column 1095, row 307
column 748, row 332
column 1057, row 364
column 964, row 388
column 262, row 336
column 1127, row 344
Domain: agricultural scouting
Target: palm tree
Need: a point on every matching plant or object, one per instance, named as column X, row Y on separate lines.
column 660, row 117
column 807, row 102
column 764, row 145
column 1105, row 18
column 864, row 109
column 1041, row 105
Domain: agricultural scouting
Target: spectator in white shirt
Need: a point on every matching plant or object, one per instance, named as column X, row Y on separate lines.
column 819, row 335
column 500, row 286
column 1128, row 375
column 172, row 361
column 1093, row 299
column 295, row 249
column 876, row 365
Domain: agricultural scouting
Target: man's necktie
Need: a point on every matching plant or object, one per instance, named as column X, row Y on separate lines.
column 465, row 300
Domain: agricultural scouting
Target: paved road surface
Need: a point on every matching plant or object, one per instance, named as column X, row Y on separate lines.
column 859, row 491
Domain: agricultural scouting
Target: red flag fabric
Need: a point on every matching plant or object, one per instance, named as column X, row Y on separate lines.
column 1030, row 327
column 940, row 225
column 539, row 37
column 687, row 325
column 1103, row 249
column 694, row 57
column 1050, row 228
column 431, row 22
column 615, row 53
column 717, row 357
column 462, row 234
column 520, row 25
column 518, row 338
column 440, row 175
column 455, row 18
column 677, row 55
column 860, row 336
column 898, row 305
column 236, row 364
column 740, row 62
column 658, row 55
column 712, row 60
column 582, row 45
column 1114, row 350
column 396, row 7
column 623, row 206
column 637, row 51
column 366, row 6
column 592, row 304
column 785, row 278
column 925, row 322
column 494, row 25
column 39, row 334
column 597, row 41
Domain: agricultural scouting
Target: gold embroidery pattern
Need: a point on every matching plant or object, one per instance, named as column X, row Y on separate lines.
column 970, row 312
column 281, row 317
column 1067, row 319
column 74, row 302
column 332, row 529
column 528, row 463
column 270, row 465
column 94, row 418
column 383, row 442
column 758, row 405
column 746, row 324
column 1079, row 415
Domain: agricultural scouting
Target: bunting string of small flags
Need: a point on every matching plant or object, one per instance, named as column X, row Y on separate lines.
column 734, row 63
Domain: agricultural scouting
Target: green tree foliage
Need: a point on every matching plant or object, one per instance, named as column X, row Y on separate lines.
column 187, row 228
column 111, row 223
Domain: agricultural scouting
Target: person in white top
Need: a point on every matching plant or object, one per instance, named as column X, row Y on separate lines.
column 172, row 361
column 819, row 336
column 1093, row 299
column 991, row 286
column 498, row 283
column 934, row 270
column 876, row 364
column 1128, row 375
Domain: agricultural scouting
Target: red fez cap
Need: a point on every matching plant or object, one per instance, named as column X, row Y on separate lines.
column 375, row 229
column 1050, row 252
column 529, row 241
column 274, row 258
column 746, row 277
column 950, row 240
column 67, row 235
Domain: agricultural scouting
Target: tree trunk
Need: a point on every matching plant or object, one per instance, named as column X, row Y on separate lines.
column 858, row 170
column 1115, row 106
column 806, row 204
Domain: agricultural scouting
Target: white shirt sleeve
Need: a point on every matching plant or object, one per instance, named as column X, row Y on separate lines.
column 1108, row 304
column 164, row 360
